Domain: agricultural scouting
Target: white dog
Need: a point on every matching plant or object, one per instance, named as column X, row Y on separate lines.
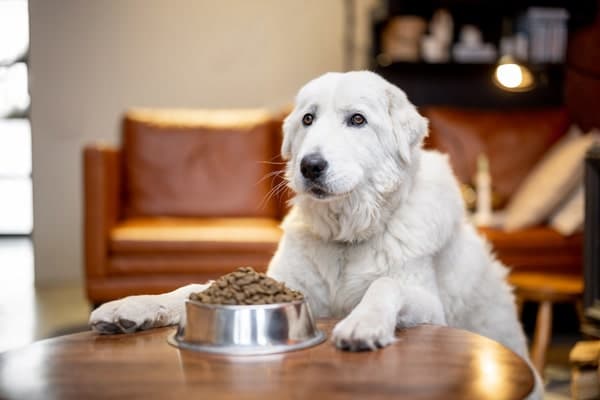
column 377, row 235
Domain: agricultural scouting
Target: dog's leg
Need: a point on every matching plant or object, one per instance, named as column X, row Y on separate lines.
column 419, row 306
column 385, row 305
column 135, row 313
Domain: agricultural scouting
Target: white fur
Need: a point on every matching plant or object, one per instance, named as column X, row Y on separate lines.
column 388, row 245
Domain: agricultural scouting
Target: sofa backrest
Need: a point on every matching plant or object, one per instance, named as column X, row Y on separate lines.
column 513, row 140
column 200, row 163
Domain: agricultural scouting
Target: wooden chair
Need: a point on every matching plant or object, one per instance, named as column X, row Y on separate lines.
column 546, row 289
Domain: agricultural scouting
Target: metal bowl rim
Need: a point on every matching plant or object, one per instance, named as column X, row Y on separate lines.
column 245, row 306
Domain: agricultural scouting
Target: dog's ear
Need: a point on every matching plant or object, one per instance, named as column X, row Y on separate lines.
column 286, row 144
column 409, row 127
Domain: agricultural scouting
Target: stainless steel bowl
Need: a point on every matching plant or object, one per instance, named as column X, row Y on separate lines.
column 247, row 329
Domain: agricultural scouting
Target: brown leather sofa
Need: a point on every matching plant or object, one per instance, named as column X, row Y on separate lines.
column 513, row 141
column 185, row 199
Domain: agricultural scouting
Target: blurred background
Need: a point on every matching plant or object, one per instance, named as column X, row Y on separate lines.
column 69, row 70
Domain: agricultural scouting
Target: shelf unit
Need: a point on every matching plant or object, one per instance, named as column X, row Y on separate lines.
column 470, row 85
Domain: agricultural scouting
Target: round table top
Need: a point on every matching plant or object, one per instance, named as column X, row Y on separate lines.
column 426, row 362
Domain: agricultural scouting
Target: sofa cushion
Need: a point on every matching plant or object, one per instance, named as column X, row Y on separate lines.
column 191, row 245
column 569, row 217
column 143, row 235
column 513, row 140
column 199, row 163
column 549, row 183
column 537, row 248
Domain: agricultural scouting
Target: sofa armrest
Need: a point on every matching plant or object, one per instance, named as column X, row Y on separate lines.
column 102, row 203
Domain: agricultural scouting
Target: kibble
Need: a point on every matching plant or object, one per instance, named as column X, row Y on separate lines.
column 246, row 286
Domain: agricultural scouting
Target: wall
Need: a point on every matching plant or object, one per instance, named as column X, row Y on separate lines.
column 90, row 60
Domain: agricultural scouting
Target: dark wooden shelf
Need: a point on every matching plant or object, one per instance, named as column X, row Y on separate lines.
column 471, row 85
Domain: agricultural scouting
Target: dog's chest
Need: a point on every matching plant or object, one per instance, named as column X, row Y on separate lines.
column 348, row 272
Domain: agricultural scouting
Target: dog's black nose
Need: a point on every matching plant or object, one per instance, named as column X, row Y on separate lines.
column 312, row 166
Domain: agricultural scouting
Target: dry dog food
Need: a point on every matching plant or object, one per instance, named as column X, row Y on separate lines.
column 246, row 286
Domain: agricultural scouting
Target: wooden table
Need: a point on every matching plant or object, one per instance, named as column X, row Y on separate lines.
column 427, row 362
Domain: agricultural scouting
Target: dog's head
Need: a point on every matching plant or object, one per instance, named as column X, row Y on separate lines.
column 347, row 131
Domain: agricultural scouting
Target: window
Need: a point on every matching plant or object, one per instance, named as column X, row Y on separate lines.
column 16, row 208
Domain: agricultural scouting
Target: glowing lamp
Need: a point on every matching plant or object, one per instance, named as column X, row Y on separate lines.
column 513, row 77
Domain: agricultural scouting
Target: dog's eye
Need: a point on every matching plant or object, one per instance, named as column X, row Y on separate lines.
column 357, row 120
column 307, row 119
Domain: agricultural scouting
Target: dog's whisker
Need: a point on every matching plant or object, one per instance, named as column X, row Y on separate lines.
column 274, row 191
column 277, row 192
column 272, row 162
column 274, row 157
column 270, row 175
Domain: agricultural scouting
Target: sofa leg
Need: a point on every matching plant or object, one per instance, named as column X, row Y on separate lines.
column 542, row 335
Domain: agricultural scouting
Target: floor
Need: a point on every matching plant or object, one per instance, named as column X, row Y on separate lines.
column 28, row 313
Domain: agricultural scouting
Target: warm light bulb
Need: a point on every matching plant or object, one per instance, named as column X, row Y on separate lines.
column 509, row 75
column 513, row 77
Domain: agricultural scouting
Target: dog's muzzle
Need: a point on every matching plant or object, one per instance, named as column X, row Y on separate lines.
column 313, row 167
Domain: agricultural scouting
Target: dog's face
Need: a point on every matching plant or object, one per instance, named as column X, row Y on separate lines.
column 347, row 131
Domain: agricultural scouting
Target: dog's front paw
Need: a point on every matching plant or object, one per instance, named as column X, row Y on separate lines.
column 363, row 332
column 132, row 314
